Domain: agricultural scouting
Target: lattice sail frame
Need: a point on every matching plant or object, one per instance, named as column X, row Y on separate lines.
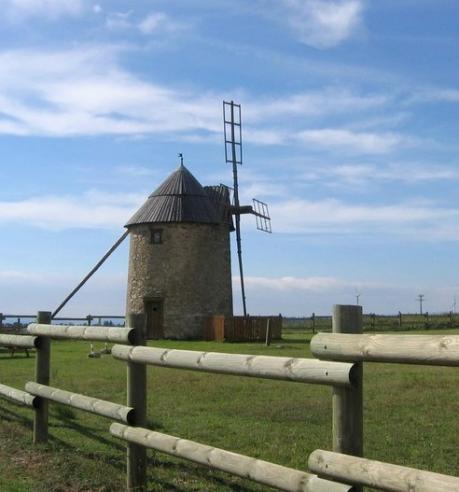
column 231, row 138
column 262, row 217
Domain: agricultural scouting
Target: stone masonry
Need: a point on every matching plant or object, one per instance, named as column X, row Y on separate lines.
column 190, row 271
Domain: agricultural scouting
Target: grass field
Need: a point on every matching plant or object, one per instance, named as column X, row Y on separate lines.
column 381, row 323
column 411, row 418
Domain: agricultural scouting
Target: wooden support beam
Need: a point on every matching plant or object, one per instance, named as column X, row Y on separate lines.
column 82, row 402
column 348, row 402
column 438, row 350
column 91, row 333
column 137, row 399
column 261, row 366
column 42, row 369
column 379, row 475
column 22, row 341
column 259, row 471
column 18, row 396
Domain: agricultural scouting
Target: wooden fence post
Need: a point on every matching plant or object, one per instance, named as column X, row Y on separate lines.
column 313, row 317
column 137, row 399
column 400, row 319
column 348, row 402
column 268, row 332
column 42, row 369
column 1, row 321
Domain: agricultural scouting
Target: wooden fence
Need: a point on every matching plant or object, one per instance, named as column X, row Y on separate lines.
column 379, row 322
column 341, row 355
column 7, row 323
column 242, row 329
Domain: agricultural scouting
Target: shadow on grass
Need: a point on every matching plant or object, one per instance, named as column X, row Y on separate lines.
column 10, row 416
column 4, row 357
column 292, row 341
column 85, row 430
column 182, row 467
column 117, row 459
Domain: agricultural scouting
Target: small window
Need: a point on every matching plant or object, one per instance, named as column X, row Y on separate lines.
column 156, row 236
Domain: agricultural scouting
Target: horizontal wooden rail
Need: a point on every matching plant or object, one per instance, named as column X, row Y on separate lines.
column 31, row 316
column 379, row 475
column 92, row 333
column 263, row 472
column 18, row 396
column 23, row 341
column 82, row 402
column 438, row 350
column 261, row 366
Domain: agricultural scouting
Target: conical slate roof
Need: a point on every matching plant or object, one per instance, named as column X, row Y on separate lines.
column 180, row 198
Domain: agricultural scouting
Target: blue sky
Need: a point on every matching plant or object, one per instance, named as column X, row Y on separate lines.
column 349, row 126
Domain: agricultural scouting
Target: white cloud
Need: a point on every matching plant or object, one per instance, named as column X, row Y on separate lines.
column 292, row 283
column 300, row 296
column 333, row 216
column 119, row 20
column 152, row 22
column 159, row 21
column 86, row 91
column 97, row 209
column 93, row 209
column 408, row 173
column 435, row 94
column 363, row 174
column 330, row 100
column 52, row 9
column 324, row 24
column 363, row 142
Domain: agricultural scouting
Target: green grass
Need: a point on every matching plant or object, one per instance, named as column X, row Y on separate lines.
column 380, row 323
column 410, row 419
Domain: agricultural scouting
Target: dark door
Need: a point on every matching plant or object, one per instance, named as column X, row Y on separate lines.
column 154, row 313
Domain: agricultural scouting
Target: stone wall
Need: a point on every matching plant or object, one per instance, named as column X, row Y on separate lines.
column 190, row 271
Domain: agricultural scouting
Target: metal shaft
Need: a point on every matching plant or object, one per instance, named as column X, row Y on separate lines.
column 89, row 275
column 237, row 216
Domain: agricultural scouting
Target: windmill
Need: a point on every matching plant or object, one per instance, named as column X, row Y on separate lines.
column 232, row 125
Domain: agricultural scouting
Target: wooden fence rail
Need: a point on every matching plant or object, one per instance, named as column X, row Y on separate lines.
column 83, row 402
column 18, row 341
column 261, row 366
column 259, row 471
column 431, row 350
column 18, row 396
column 379, row 475
column 90, row 333
column 345, row 350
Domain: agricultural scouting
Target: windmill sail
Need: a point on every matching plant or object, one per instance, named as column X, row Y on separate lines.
column 232, row 125
column 233, row 154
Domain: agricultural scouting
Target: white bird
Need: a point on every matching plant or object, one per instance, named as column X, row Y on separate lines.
column 92, row 354
column 106, row 350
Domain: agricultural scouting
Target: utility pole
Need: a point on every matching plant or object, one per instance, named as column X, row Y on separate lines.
column 420, row 299
column 357, row 297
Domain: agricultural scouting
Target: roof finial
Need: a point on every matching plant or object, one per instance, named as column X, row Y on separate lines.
column 181, row 159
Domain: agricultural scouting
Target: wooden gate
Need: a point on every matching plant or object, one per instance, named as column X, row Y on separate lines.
column 241, row 329
column 154, row 318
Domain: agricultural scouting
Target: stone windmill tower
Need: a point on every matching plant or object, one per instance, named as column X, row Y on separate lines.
column 179, row 261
